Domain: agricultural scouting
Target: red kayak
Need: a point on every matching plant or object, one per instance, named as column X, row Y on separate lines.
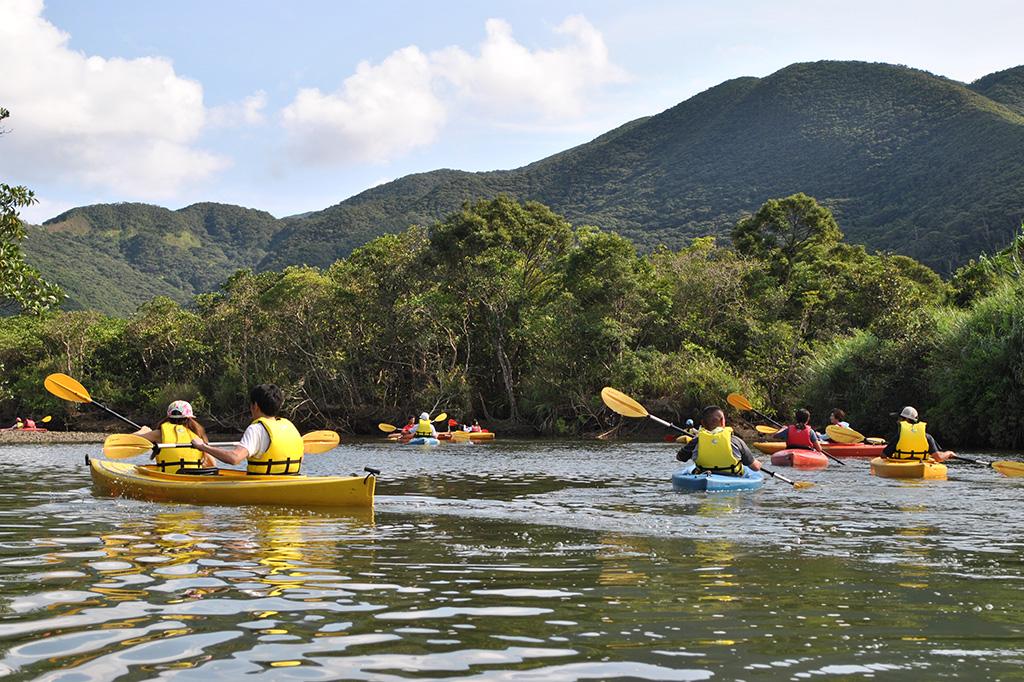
column 853, row 449
column 799, row 458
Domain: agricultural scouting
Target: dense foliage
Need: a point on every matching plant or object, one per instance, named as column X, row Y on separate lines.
column 908, row 162
column 505, row 312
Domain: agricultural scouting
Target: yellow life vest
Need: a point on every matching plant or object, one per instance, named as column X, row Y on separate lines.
column 172, row 460
column 714, row 452
column 284, row 456
column 423, row 428
column 912, row 443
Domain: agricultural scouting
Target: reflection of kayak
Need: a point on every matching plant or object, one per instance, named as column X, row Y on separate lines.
column 903, row 468
column 801, row 459
column 688, row 481
column 25, row 430
column 475, row 436
column 422, row 441
column 230, row 486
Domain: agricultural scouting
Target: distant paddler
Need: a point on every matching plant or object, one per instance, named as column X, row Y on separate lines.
column 271, row 445
column 913, row 442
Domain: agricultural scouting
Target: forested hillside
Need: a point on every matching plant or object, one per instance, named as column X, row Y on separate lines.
column 908, row 161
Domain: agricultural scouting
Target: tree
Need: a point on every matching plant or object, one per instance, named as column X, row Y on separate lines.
column 786, row 231
column 21, row 285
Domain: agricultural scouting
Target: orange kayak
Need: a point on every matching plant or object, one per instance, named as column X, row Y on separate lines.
column 800, row 458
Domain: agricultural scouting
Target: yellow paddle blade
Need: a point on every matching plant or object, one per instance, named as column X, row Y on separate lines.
column 739, row 402
column 1009, row 468
column 45, row 419
column 841, row 434
column 765, row 429
column 316, row 442
column 441, row 417
column 800, row 485
column 387, row 428
column 619, row 402
column 125, row 446
column 66, row 388
column 874, row 441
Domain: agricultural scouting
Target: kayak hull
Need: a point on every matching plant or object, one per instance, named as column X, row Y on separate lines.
column 853, row 449
column 121, row 479
column 422, row 441
column 476, row 437
column 897, row 468
column 800, row 459
column 770, row 447
column 687, row 481
column 834, row 449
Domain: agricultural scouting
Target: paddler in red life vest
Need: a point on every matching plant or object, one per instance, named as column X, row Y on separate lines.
column 180, row 426
column 799, row 435
column 476, row 428
column 912, row 441
column 271, row 445
column 410, row 425
column 716, row 449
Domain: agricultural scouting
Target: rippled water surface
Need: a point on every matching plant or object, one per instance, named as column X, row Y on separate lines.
column 515, row 561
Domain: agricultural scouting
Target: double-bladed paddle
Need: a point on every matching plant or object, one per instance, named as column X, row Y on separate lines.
column 622, row 404
column 1006, row 467
column 128, row 445
column 66, row 388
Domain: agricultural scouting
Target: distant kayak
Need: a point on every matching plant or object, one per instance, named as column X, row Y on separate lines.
column 907, row 468
column 475, row 436
column 800, row 459
column 230, row 486
column 686, row 480
column 834, row 449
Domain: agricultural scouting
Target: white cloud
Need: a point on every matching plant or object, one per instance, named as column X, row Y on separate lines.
column 119, row 124
column 509, row 79
column 247, row 112
column 379, row 112
column 389, row 109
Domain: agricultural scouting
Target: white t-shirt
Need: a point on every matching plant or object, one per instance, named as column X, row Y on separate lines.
column 255, row 440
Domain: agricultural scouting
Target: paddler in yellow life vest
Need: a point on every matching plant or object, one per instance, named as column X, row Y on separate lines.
column 913, row 441
column 716, row 449
column 271, row 445
column 180, row 426
column 424, row 427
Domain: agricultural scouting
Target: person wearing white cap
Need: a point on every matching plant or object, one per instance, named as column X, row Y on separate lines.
column 913, row 441
column 180, row 426
column 425, row 428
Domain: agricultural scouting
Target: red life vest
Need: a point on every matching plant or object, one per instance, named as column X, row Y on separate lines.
column 798, row 438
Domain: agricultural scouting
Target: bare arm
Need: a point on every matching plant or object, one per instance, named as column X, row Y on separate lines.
column 235, row 455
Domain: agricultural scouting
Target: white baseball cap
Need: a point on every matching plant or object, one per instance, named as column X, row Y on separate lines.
column 909, row 413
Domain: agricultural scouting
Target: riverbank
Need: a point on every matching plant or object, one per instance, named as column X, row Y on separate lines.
column 19, row 437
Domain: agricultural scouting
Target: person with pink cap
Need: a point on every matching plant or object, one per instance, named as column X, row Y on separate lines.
column 180, row 426
column 912, row 441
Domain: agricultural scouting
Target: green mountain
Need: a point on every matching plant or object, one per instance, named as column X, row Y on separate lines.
column 908, row 161
column 112, row 257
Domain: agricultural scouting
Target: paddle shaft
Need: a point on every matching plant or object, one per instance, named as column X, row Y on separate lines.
column 778, row 476
column 668, row 424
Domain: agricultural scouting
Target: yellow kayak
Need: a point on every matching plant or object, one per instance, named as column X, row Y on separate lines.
column 231, row 487
column 904, row 468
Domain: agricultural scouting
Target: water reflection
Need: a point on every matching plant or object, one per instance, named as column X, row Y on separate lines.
column 528, row 562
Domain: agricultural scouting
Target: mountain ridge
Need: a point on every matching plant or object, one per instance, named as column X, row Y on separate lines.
column 909, row 162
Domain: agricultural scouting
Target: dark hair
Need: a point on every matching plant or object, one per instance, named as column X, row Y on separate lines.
column 189, row 423
column 838, row 414
column 268, row 398
column 711, row 416
column 802, row 416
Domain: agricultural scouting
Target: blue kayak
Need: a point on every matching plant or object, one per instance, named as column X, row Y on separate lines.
column 716, row 483
column 423, row 441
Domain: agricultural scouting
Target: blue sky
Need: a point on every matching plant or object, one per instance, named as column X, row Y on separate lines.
column 292, row 107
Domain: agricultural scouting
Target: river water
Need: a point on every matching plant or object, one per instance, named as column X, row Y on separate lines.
column 515, row 561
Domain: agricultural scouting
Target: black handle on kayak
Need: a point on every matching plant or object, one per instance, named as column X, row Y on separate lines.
column 370, row 472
